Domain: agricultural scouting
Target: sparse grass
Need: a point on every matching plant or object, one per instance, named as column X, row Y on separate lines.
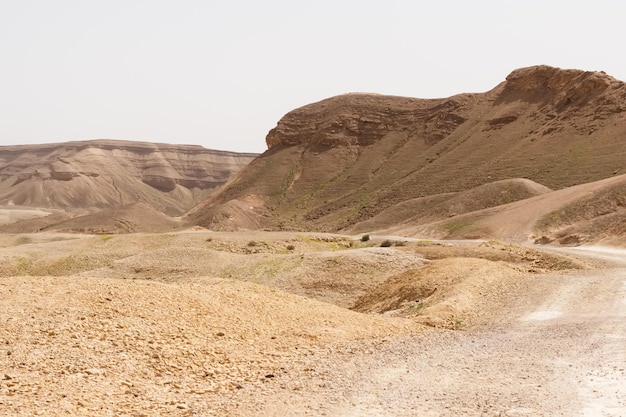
column 600, row 204
column 23, row 240
column 36, row 266
column 106, row 238
column 264, row 271
column 456, row 227
column 340, row 245
column 286, row 184
column 414, row 308
column 23, row 265
column 457, row 324
column 64, row 266
column 329, row 242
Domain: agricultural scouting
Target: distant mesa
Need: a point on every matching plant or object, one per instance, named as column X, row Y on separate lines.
column 109, row 174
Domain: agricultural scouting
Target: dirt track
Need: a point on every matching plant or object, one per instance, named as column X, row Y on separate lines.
column 560, row 352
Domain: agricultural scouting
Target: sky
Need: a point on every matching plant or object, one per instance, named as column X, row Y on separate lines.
column 220, row 74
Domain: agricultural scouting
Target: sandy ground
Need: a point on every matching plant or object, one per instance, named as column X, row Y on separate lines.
column 208, row 324
column 10, row 215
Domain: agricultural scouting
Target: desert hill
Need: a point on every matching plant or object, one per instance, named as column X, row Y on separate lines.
column 426, row 210
column 593, row 212
column 337, row 163
column 99, row 174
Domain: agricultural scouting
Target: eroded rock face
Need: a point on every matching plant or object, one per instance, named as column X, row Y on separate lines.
column 560, row 89
column 109, row 173
column 362, row 119
column 550, row 78
column 541, row 78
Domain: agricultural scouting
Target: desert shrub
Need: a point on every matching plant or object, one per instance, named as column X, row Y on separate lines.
column 252, row 243
column 386, row 244
column 365, row 238
column 291, row 247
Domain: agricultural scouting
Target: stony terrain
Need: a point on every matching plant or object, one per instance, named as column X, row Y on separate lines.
column 205, row 323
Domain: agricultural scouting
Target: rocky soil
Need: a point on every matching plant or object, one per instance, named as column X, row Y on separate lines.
column 203, row 323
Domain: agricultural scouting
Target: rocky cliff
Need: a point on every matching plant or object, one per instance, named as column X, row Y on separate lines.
column 362, row 119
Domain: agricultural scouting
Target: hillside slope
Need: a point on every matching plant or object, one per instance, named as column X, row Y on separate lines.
column 93, row 175
column 431, row 209
column 593, row 212
column 333, row 164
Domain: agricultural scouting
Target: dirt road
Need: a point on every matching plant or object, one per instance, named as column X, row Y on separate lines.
column 559, row 351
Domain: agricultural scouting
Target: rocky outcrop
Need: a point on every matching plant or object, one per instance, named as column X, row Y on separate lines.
column 109, row 173
column 362, row 119
column 543, row 79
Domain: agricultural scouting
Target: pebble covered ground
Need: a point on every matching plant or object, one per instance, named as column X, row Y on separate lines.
column 148, row 325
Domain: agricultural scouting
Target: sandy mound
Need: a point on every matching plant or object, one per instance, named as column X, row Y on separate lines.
column 462, row 284
column 118, row 347
column 447, row 293
column 133, row 218
column 591, row 212
column 178, row 323
column 10, row 215
column 524, row 258
column 438, row 207
column 233, row 215
column 598, row 216
column 322, row 267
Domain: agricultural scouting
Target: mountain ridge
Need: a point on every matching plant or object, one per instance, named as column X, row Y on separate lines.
column 97, row 174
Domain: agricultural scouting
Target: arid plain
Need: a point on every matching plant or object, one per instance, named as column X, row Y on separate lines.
column 385, row 256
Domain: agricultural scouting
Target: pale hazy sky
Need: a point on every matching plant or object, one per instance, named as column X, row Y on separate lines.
column 221, row 73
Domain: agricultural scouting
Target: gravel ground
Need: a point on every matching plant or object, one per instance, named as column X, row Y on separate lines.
column 151, row 337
